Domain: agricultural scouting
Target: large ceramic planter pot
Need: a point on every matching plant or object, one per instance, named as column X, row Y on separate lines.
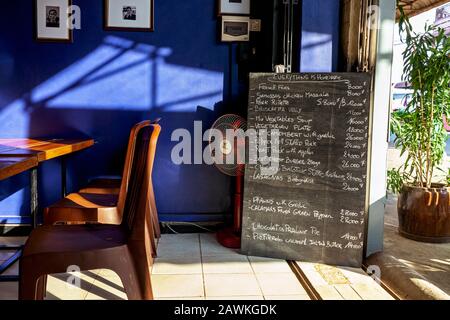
column 423, row 214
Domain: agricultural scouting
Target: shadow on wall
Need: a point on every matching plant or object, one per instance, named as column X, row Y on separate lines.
column 102, row 95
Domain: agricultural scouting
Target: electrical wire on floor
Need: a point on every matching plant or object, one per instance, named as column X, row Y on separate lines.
column 169, row 224
column 169, row 227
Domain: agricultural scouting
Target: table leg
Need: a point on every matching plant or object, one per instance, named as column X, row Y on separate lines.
column 63, row 177
column 34, row 205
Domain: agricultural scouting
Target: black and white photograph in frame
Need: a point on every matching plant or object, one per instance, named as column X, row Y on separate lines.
column 234, row 7
column 129, row 15
column 52, row 20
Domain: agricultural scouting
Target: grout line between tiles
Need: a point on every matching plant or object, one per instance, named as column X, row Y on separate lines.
column 201, row 264
column 356, row 292
column 257, row 280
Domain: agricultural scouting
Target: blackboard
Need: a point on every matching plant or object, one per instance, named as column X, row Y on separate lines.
column 313, row 208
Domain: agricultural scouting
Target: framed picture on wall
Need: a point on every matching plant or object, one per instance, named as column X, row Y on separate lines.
column 234, row 7
column 52, row 20
column 129, row 15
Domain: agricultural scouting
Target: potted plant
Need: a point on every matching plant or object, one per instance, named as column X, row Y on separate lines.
column 424, row 202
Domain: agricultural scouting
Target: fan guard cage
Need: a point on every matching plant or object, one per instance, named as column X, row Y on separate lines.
column 224, row 123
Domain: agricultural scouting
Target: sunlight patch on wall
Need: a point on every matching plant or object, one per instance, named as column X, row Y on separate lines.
column 317, row 52
column 182, row 89
column 70, row 76
column 121, row 75
column 14, row 120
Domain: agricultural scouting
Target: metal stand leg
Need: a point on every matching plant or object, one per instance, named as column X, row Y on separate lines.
column 34, row 206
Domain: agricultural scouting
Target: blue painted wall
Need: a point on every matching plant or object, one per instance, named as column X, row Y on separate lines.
column 320, row 35
column 105, row 82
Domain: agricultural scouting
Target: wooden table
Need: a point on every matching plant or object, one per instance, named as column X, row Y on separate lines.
column 20, row 155
column 11, row 166
column 45, row 150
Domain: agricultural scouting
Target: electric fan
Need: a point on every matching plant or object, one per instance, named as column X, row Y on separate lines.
column 230, row 160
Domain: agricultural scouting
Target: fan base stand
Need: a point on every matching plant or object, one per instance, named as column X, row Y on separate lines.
column 229, row 238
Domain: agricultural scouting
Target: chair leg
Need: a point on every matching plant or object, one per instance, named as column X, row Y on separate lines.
column 41, row 290
column 152, row 239
column 136, row 280
column 154, row 214
column 156, row 227
column 28, row 286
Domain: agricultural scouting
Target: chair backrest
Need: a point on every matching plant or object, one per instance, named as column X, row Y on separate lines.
column 129, row 162
column 136, row 213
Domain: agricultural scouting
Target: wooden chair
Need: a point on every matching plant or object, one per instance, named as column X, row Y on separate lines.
column 103, row 201
column 107, row 185
column 122, row 248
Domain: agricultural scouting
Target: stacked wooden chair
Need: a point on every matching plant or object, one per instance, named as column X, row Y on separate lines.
column 103, row 200
column 101, row 230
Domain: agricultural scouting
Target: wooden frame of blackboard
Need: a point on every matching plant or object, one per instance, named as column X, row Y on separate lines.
column 327, row 194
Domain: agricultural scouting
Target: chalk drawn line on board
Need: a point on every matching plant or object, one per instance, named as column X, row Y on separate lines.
column 307, row 81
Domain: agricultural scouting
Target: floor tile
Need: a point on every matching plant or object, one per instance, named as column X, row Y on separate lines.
column 268, row 265
column 167, row 286
column 179, row 237
column 189, row 247
column 226, row 264
column 347, row 292
column 280, row 284
column 211, row 247
column 6, row 254
column 107, row 288
column 9, row 290
column 371, row 292
column 224, row 285
column 328, row 292
column 12, row 271
column 106, row 273
column 184, row 265
column 250, row 298
column 61, row 287
column 289, row 297
column 182, row 298
column 12, row 241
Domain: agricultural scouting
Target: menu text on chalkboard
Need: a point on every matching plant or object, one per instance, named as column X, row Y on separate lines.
column 313, row 207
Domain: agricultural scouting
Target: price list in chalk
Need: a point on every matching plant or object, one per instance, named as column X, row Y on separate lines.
column 313, row 207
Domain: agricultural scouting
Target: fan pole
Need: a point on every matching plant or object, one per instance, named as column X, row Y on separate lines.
column 237, row 224
column 231, row 237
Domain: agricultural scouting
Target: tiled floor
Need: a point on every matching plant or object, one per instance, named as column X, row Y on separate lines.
column 189, row 266
column 196, row 266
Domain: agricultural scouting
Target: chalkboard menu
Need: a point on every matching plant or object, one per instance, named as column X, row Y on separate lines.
column 313, row 207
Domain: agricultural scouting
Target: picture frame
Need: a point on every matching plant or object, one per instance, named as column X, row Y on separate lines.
column 51, row 21
column 234, row 7
column 129, row 15
column 235, row 29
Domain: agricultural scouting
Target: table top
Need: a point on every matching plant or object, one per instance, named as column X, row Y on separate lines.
column 11, row 166
column 43, row 149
